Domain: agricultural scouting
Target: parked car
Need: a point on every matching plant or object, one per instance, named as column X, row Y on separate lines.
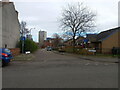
column 5, row 56
column 49, row 48
column 61, row 49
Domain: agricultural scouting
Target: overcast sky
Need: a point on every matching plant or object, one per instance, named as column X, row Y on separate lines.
column 45, row 14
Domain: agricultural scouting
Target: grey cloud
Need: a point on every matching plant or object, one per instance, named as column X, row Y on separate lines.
column 45, row 14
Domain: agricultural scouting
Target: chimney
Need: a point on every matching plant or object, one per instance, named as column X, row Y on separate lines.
column 5, row 0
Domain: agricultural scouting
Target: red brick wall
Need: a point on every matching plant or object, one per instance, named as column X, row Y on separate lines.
column 47, row 44
column 15, row 51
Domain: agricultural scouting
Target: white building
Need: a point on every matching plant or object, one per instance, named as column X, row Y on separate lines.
column 42, row 37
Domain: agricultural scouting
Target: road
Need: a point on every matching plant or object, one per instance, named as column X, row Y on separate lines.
column 54, row 70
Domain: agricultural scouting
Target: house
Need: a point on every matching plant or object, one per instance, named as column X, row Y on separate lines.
column 79, row 40
column 53, row 42
column 10, row 25
column 103, row 42
column 109, row 39
column 92, row 40
column 69, row 42
column 48, row 42
column 106, row 40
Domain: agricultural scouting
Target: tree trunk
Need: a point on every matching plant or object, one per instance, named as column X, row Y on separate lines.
column 74, row 44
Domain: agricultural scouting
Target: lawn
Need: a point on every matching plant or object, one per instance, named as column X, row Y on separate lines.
column 24, row 57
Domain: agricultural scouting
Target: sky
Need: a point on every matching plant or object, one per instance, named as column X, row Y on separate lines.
column 45, row 14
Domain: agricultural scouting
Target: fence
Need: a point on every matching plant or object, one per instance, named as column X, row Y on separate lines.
column 93, row 51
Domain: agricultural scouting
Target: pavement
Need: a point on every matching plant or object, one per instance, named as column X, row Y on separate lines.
column 58, row 70
column 92, row 58
column 99, row 59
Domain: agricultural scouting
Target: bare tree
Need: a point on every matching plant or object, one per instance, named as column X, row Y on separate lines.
column 57, row 40
column 77, row 19
column 23, row 30
column 66, row 36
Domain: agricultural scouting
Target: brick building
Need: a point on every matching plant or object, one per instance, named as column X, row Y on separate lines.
column 102, row 42
column 106, row 40
column 69, row 42
column 109, row 39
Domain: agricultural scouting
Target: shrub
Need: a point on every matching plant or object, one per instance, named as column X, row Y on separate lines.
column 116, row 51
column 29, row 45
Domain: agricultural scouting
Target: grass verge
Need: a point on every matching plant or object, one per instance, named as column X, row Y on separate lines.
column 23, row 57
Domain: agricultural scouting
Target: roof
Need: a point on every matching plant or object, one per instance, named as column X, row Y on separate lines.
column 48, row 38
column 69, row 40
column 4, row 3
column 92, row 37
column 103, row 35
column 81, row 37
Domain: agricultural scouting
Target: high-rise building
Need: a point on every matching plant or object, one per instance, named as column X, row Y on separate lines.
column 42, row 37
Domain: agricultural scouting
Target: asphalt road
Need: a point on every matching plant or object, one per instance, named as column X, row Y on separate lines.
column 54, row 70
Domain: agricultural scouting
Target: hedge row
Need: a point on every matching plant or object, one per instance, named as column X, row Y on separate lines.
column 29, row 45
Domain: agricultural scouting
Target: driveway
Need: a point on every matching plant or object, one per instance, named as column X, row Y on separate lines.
column 55, row 70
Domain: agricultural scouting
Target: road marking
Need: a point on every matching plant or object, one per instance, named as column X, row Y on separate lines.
column 105, row 64
column 87, row 63
column 96, row 63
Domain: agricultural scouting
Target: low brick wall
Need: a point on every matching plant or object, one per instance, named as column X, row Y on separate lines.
column 15, row 51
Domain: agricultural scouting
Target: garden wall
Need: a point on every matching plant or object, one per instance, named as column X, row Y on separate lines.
column 15, row 51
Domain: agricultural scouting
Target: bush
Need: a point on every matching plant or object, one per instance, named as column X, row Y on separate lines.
column 115, row 51
column 70, row 49
column 29, row 45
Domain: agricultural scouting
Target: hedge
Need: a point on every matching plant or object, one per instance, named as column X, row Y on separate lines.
column 29, row 45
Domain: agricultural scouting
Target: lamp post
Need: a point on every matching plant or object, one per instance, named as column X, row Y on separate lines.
column 30, row 30
column 23, row 38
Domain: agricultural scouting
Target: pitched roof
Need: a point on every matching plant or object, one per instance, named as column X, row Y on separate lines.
column 48, row 38
column 92, row 37
column 81, row 37
column 103, row 35
column 70, row 40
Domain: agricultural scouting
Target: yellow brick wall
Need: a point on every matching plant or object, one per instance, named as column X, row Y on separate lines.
column 110, row 42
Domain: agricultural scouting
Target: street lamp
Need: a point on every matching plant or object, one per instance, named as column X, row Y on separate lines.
column 30, row 30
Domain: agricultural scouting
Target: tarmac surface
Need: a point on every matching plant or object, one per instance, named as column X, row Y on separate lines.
column 58, row 70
